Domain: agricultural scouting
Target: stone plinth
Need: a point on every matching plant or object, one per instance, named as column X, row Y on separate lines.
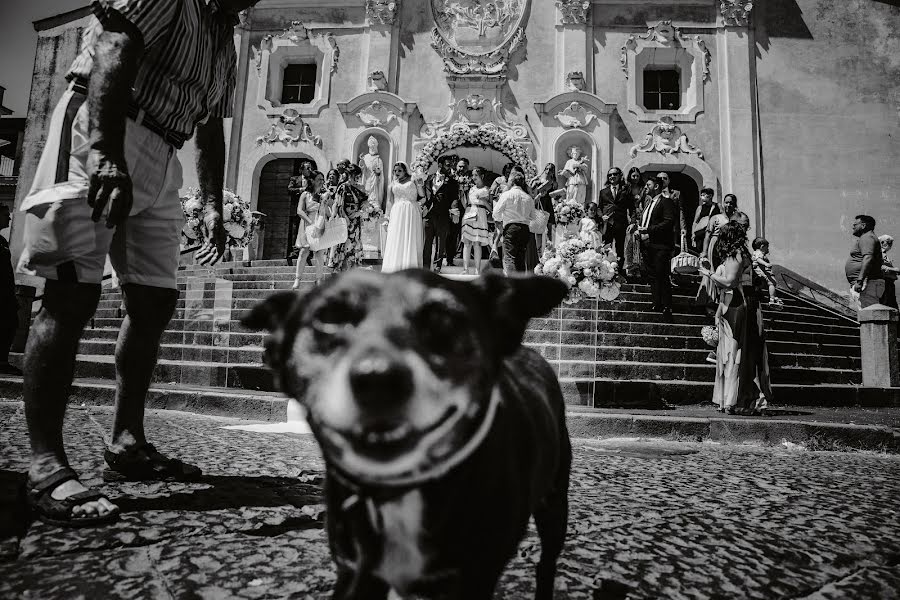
column 878, row 338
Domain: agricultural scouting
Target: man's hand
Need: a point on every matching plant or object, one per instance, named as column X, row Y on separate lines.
column 859, row 286
column 214, row 236
column 110, row 185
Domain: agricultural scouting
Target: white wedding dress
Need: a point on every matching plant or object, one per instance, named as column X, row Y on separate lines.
column 405, row 233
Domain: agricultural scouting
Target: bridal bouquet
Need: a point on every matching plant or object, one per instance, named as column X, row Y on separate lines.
column 240, row 222
column 710, row 335
column 568, row 211
column 588, row 271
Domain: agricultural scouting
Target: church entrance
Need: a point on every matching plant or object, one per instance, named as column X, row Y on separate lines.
column 280, row 206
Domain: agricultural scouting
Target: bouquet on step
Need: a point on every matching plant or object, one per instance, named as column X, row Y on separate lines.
column 240, row 222
column 568, row 211
column 589, row 271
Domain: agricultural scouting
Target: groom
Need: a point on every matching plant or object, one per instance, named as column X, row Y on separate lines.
column 441, row 207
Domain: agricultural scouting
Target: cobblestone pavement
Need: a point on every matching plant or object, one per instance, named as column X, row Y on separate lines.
column 649, row 519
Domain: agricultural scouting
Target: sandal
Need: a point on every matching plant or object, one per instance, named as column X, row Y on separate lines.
column 59, row 512
column 144, row 463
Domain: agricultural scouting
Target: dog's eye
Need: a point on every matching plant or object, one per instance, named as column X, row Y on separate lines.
column 336, row 317
column 438, row 327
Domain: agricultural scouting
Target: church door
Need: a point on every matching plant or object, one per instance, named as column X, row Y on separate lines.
column 280, row 206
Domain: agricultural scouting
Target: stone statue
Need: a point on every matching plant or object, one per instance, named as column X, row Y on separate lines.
column 373, row 169
column 576, row 173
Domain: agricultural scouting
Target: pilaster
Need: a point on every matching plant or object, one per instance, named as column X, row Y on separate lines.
column 574, row 43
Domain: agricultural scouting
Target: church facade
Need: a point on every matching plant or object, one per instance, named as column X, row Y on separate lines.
column 792, row 105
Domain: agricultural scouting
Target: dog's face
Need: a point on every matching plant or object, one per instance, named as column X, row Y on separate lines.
column 396, row 371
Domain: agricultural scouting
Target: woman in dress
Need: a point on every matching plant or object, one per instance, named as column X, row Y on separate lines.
column 475, row 220
column 742, row 383
column 310, row 207
column 638, row 191
column 350, row 197
column 542, row 186
column 405, row 232
column 708, row 293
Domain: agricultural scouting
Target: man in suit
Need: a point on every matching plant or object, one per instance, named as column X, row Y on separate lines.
column 615, row 204
column 463, row 177
column 679, row 226
column 656, row 236
column 441, row 207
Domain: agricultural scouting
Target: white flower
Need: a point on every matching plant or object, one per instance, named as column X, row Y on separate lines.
column 227, row 210
column 590, row 289
column 192, row 204
column 552, row 266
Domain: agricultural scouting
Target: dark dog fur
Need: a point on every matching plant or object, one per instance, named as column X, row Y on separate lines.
column 368, row 353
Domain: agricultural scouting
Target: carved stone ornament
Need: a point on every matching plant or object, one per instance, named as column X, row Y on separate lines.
column 377, row 114
column 575, row 81
column 477, row 37
column 335, row 51
column 575, row 115
column 665, row 35
column 289, row 128
column 666, row 138
column 574, row 11
column 377, row 82
column 382, row 12
column 736, row 12
column 296, row 34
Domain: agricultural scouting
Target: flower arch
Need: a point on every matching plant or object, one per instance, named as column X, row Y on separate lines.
column 486, row 136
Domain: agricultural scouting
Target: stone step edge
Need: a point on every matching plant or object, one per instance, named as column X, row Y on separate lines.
column 581, row 423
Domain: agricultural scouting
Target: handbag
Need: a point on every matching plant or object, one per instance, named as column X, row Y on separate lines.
column 538, row 223
column 685, row 263
column 325, row 233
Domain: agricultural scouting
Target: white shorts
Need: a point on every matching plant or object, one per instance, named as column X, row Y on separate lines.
column 62, row 242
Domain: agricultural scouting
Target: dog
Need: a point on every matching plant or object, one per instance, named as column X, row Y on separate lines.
column 442, row 435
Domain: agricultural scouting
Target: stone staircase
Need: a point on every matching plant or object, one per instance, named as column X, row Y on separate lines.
column 606, row 355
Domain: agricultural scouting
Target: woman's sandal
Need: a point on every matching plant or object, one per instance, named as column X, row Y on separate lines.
column 59, row 512
column 144, row 463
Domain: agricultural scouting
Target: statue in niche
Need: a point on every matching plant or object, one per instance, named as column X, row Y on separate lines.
column 576, row 173
column 373, row 168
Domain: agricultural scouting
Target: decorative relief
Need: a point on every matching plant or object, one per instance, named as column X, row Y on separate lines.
column 382, row 12
column 665, row 35
column 289, row 128
column 335, row 51
column 575, row 81
column 736, row 12
column 376, row 114
column 574, row 11
column 477, row 37
column 475, row 110
column 666, row 138
column 377, row 82
column 575, row 115
column 296, row 34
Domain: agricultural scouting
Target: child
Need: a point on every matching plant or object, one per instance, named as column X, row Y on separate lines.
column 763, row 269
column 588, row 227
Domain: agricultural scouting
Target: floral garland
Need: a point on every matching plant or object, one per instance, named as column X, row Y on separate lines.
column 568, row 211
column 589, row 271
column 484, row 136
column 240, row 222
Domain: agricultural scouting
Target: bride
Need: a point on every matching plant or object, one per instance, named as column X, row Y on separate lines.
column 405, row 232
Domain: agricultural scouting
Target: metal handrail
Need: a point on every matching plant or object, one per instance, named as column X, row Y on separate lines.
column 802, row 288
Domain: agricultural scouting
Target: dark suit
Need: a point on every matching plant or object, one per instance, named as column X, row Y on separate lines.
column 436, row 217
column 658, row 248
column 616, row 207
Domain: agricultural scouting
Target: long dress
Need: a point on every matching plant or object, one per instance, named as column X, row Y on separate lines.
column 311, row 204
column 708, row 293
column 405, row 233
column 350, row 253
column 742, row 359
column 475, row 218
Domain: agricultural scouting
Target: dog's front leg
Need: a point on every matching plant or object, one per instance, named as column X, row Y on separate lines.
column 365, row 586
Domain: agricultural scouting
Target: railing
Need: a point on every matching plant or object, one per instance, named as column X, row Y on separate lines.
column 802, row 288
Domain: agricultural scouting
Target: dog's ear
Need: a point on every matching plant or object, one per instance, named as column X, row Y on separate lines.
column 515, row 300
column 271, row 313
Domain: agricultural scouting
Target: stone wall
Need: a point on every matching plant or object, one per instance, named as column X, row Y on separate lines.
column 829, row 99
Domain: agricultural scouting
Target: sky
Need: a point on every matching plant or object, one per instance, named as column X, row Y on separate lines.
column 18, row 40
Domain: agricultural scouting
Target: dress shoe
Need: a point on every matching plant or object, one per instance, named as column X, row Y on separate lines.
column 667, row 315
column 655, row 308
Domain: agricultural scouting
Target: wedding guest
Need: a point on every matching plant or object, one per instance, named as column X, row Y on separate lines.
column 463, row 178
column 889, row 271
column 762, row 268
column 616, row 206
column 542, row 187
column 656, row 236
column 863, row 267
column 441, row 209
column 9, row 318
column 350, row 198
column 314, row 208
column 633, row 263
column 406, row 231
column 475, row 220
column 680, row 226
column 634, row 181
column 512, row 213
column 742, row 384
column 705, row 210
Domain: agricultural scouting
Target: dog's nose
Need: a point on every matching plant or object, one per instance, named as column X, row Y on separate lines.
column 377, row 379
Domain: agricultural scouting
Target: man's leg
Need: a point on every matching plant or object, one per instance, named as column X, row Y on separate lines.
column 663, row 282
column 619, row 237
column 49, row 368
column 522, row 235
column 872, row 294
column 427, row 247
column 149, row 311
column 655, row 297
column 440, row 251
column 509, row 252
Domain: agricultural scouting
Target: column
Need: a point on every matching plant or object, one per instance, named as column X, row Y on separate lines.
column 574, row 44
column 383, row 48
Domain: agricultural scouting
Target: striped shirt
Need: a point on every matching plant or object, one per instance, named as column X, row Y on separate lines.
column 514, row 206
column 188, row 70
